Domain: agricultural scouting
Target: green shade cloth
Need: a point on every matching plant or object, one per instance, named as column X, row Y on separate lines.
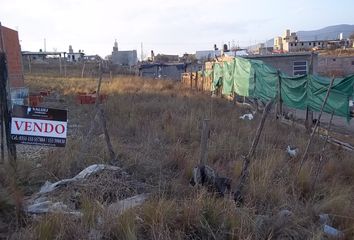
column 253, row 78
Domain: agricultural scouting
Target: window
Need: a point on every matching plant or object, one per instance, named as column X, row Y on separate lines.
column 310, row 44
column 291, row 44
column 314, row 43
column 352, row 62
column 295, row 44
column 300, row 68
column 302, row 44
column 334, row 59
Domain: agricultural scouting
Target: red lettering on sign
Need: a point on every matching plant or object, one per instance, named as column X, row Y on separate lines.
column 18, row 126
column 48, row 128
column 38, row 127
column 59, row 128
column 28, row 126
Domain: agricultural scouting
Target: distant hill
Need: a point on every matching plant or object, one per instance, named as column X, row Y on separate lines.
column 327, row 33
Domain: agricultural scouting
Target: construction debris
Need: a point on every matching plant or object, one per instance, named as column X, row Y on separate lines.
column 292, row 151
column 332, row 232
column 248, row 116
column 114, row 188
column 50, row 207
column 49, row 187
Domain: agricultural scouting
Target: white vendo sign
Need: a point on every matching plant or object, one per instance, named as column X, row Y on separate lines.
column 40, row 126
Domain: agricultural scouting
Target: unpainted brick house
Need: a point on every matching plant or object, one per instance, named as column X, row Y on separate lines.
column 9, row 43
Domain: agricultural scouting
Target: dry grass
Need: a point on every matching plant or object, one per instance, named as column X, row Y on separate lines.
column 155, row 128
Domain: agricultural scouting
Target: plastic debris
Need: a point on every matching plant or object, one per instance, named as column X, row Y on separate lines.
column 324, row 219
column 248, row 116
column 292, row 151
column 332, row 232
column 49, row 187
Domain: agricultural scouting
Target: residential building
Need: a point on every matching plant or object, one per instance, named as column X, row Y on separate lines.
column 75, row 56
column 290, row 42
column 124, row 58
column 9, row 43
column 293, row 64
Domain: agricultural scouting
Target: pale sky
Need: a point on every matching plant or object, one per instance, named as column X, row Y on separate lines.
column 170, row 27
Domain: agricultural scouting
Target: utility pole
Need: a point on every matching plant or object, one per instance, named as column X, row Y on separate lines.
column 142, row 51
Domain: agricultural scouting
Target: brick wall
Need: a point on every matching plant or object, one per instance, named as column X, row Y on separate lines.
column 285, row 62
column 9, row 43
column 339, row 66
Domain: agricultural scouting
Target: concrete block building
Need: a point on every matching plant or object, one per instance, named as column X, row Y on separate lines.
column 290, row 42
column 293, row 64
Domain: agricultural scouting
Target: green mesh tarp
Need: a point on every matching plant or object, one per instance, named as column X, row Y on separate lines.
column 266, row 81
column 218, row 73
column 228, row 78
column 253, row 78
column 243, row 76
column 293, row 91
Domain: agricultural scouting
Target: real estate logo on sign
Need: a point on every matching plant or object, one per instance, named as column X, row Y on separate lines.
column 39, row 126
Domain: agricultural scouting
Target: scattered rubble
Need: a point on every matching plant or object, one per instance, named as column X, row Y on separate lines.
column 248, row 116
column 49, row 187
column 114, row 189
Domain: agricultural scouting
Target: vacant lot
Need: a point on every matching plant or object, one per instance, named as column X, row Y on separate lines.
column 155, row 129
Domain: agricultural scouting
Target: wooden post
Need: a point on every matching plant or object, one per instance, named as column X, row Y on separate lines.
column 83, row 70
column 65, row 60
column 309, row 113
column 254, row 90
column 191, row 79
column 196, row 80
column 111, row 152
column 303, row 159
column 2, row 132
column 280, row 100
column 98, row 113
column 5, row 114
column 204, row 142
column 60, row 67
column 246, row 161
column 203, row 77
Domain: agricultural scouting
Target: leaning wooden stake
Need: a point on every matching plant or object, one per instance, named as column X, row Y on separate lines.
column 247, row 159
column 204, row 142
column 99, row 113
column 303, row 159
column 112, row 154
column 320, row 161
